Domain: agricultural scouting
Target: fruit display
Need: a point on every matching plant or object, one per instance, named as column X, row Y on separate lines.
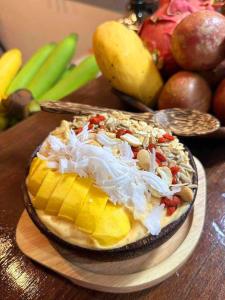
column 99, row 184
column 186, row 90
column 47, row 75
column 125, row 62
column 157, row 30
column 186, row 42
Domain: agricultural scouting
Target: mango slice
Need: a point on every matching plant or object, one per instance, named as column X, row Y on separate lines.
column 46, row 189
column 92, row 210
column 34, row 164
column 35, row 179
column 113, row 225
column 60, row 192
column 75, row 199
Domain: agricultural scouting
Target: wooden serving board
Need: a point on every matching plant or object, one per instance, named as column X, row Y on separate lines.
column 125, row 276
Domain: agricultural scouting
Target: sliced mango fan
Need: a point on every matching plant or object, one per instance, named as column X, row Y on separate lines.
column 118, row 176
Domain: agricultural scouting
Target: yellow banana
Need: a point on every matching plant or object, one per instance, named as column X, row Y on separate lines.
column 10, row 62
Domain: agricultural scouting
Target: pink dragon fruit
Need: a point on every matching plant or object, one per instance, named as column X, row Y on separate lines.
column 156, row 30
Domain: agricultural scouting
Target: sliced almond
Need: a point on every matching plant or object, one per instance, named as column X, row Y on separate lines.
column 112, row 135
column 184, row 178
column 165, row 174
column 143, row 158
column 132, row 140
column 94, row 142
column 186, row 194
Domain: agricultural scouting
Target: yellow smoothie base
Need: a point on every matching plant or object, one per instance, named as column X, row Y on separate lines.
column 69, row 232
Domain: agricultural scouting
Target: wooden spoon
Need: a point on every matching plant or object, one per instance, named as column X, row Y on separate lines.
column 179, row 121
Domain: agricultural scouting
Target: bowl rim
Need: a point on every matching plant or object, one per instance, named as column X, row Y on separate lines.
column 144, row 244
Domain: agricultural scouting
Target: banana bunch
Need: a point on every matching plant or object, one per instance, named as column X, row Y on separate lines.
column 10, row 62
column 47, row 75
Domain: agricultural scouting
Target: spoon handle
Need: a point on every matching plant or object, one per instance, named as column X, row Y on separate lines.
column 133, row 102
column 79, row 108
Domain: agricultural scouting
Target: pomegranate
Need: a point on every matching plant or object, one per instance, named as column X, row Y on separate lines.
column 198, row 41
column 185, row 90
column 219, row 102
column 156, row 30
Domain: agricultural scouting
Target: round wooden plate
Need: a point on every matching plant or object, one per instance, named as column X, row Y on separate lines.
column 121, row 276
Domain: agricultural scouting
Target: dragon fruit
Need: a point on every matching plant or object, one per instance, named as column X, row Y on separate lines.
column 156, row 30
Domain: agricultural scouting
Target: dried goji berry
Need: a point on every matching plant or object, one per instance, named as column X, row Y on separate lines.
column 78, row 130
column 158, row 162
column 166, row 201
column 121, row 132
column 170, row 210
column 160, row 156
column 135, row 151
column 162, row 140
column 174, row 170
column 96, row 119
column 175, row 201
column 151, row 146
column 174, row 180
column 101, row 117
column 135, row 154
column 168, row 136
column 90, row 126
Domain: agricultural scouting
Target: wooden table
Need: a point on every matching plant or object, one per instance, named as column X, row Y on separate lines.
column 202, row 277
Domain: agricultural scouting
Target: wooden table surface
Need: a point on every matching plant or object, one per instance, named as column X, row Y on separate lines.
column 202, row 277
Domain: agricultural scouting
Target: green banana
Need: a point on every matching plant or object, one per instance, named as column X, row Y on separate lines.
column 79, row 76
column 68, row 70
column 28, row 71
column 53, row 67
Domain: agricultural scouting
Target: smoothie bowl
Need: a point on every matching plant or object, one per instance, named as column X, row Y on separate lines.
column 110, row 186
